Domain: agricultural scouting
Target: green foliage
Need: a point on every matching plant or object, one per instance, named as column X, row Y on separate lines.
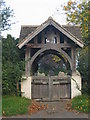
column 83, row 62
column 5, row 14
column 81, row 103
column 12, row 65
column 78, row 14
column 11, row 75
column 12, row 105
column 83, row 68
column 9, row 49
column 51, row 63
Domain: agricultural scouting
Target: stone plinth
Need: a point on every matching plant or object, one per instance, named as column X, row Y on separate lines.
column 26, row 88
column 75, row 84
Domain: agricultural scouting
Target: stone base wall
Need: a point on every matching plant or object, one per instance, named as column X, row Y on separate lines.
column 26, row 88
column 75, row 84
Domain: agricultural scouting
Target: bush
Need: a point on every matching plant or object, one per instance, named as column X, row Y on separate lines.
column 81, row 103
column 12, row 65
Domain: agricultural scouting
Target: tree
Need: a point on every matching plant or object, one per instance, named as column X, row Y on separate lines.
column 83, row 68
column 78, row 14
column 12, row 65
column 5, row 16
column 51, row 63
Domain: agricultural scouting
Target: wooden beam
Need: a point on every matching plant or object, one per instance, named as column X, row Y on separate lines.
column 62, row 45
column 73, row 55
column 67, row 77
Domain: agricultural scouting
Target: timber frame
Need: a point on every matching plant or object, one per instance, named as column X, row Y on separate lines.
column 49, row 37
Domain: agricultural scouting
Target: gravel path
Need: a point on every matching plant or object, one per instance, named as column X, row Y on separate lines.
column 54, row 110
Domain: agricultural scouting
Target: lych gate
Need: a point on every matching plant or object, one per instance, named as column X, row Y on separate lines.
column 50, row 38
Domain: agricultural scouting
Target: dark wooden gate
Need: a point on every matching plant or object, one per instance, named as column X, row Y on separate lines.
column 52, row 88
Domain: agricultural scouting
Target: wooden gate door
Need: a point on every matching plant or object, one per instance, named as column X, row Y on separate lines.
column 52, row 88
column 61, row 88
column 40, row 88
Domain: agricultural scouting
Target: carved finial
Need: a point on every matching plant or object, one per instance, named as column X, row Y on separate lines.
column 50, row 18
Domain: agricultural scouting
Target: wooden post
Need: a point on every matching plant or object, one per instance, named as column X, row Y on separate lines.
column 27, row 62
column 50, row 88
column 58, row 39
column 17, row 85
column 73, row 55
column 65, row 40
column 35, row 40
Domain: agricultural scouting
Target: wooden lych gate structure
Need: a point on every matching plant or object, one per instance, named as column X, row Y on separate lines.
column 50, row 38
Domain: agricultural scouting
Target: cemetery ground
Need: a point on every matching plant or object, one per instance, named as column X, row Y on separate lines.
column 14, row 106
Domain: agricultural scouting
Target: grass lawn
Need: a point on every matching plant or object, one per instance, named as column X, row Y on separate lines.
column 81, row 103
column 13, row 105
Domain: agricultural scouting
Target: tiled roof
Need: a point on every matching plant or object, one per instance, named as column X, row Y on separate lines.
column 75, row 30
column 27, row 29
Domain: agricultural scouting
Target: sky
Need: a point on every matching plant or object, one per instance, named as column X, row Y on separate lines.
column 34, row 12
